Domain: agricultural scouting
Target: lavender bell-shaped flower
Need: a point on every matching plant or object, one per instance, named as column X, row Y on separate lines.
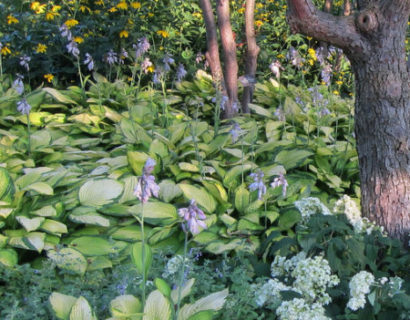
column 258, row 184
column 146, row 186
column 142, row 47
column 23, row 106
column 193, row 218
column 89, row 61
column 18, row 84
column 280, row 181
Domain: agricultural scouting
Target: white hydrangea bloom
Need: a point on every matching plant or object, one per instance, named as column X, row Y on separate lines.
column 359, row 286
column 269, row 293
column 310, row 206
column 281, row 266
column 174, row 265
column 299, row 309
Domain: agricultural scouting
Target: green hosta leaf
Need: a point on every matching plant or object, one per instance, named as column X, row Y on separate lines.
column 8, row 257
column 98, row 263
column 292, row 158
column 260, row 110
column 93, row 246
column 230, row 178
column 129, row 186
column 81, row 310
column 6, row 185
column 185, row 290
column 59, row 96
column 35, row 241
column 41, row 188
column 168, row 190
column 216, row 189
column 219, row 246
column 186, row 166
column 125, row 306
column 200, row 195
column 214, row 301
column 89, row 216
column 39, row 139
column 47, row 211
column 136, row 256
column 61, row 304
column 30, row 224
column 203, row 315
column 163, row 287
column 242, row 197
column 288, row 219
column 156, row 213
column 130, row 233
column 157, row 307
column 205, row 237
column 53, row 227
column 68, row 259
column 137, row 161
column 96, row 193
column 161, row 233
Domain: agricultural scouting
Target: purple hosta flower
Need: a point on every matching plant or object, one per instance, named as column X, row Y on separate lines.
column 224, row 101
column 72, row 48
column 141, row 47
column 145, row 65
column 247, row 80
column 111, row 57
column 89, row 61
column 199, row 57
column 294, row 57
column 258, row 184
column 321, row 54
column 18, row 84
column 236, row 132
column 280, row 114
column 280, row 181
column 276, row 67
column 23, row 107
column 66, row 33
column 146, row 186
column 324, row 112
column 1, row 47
column 317, row 97
column 24, row 60
column 326, row 73
column 167, row 60
column 181, row 72
column 156, row 78
column 235, row 106
column 193, row 217
column 123, row 56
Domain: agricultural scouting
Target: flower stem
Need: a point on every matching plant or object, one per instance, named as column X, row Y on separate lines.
column 181, row 278
column 143, row 255
column 29, row 134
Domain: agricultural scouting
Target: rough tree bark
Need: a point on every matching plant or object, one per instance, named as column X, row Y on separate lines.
column 374, row 41
column 230, row 61
column 251, row 55
column 212, row 54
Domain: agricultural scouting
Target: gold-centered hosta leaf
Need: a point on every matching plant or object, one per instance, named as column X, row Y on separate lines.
column 61, row 304
column 97, row 193
column 157, row 307
column 68, row 259
column 200, row 195
column 125, row 306
column 81, row 310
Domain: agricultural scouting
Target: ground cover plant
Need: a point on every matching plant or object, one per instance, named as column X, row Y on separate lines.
column 125, row 195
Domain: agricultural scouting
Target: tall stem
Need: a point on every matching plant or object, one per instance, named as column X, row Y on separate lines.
column 143, row 254
column 29, row 134
column 181, row 277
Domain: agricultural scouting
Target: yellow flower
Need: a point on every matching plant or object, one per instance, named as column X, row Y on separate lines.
column 37, row 7
column 51, row 15
column 151, row 69
column 258, row 23
column 124, row 34
column 339, row 83
column 150, row 14
column 122, row 5
column 56, row 8
column 71, row 23
column 163, row 33
column 113, row 9
column 259, row 5
column 49, row 77
column 85, row 8
column 311, row 62
column 336, row 92
column 11, row 19
column 280, row 56
column 78, row 39
column 309, row 38
column 135, row 5
column 312, row 54
column 99, row 2
column 197, row 15
column 161, row 48
column 5, row 51
column 41, row 48
column 241, row 10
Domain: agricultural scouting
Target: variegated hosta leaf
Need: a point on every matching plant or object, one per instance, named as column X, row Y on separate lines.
column 61, row 304
column 81, row 310
column 125, row 306
column 97, row 193
column 185, row 290
column 157, row 307
column 69, row 259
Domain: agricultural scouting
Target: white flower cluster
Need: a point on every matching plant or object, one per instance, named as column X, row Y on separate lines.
column 310, row 206
column 174, row 265
column 299, row 309
column 359, row 286
column 347, row 206
column 269, row 293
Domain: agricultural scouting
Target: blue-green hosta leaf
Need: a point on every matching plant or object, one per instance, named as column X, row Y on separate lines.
column 81, row 310
column 53, row 227
column 214, row 301
column 41, row 188
column 61, row 304
column 185, row 290
column 8, row 257
column 292, row 158
column 157, row 307
column 200, row 195
column 68, row 259
column 125, row 306
column 47, row 211
column 156, row 213
column 168, row 190
column 30, row 224
column 97, row 193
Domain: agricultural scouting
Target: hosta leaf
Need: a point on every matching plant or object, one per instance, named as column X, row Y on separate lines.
column 68, row 259
column 96, row 193
column 219, row 246
column 129, row 186
column 242, row 197
column 136, row 256
column 163, row 287
column 168, row 190
column 185, row 290
column 59, row 96
column 30, row 224
column 214, row 301
column 157, row 307
column 89, row 216
column 6, row 185
column 137, row 161
column 98, row 263
column 200, row 195
column 231, row 176
column 35, row 241
column 125, row 306
column 186, row 166
column 156, row 213
column 41, row 188
column 93, row 246
column 8, row 257
column 289, row 219
column 260, row 110
column 292, row 158
column 38, row 139
column 61, row 304
column 53, row 227
column 47, row 211
column 202, row 315
column 81, row 310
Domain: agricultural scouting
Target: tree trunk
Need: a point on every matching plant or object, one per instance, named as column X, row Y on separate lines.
column 251, row 56
column 212, row 54
column 374, row 42
column 230, row 62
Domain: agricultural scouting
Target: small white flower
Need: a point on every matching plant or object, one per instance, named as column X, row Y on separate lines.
column 359, row 286
column 310, row 206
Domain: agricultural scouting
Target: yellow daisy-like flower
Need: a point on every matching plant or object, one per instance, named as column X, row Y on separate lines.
column 122, row 5
column 151, row 69
column 5, row 51
column 56, row 8
column 124, row 34
column 84, row 9
column 258, row 23
column 163, row 33
column 259, row 5
column 241, row 10
column 150, row 14
column 197, row 15
column 136, row 5
column 99, row 2
column 280, row 56
column 78, row 39
column 339, row 83
column 113, row 9
column 41, row 48
column 37, row 7
column 49, row 77
column 51, row 15
column 336, row 92
column 11, row 19
column 309, row 38
column 71, row 23
column 311, row 62
column 312, row 54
